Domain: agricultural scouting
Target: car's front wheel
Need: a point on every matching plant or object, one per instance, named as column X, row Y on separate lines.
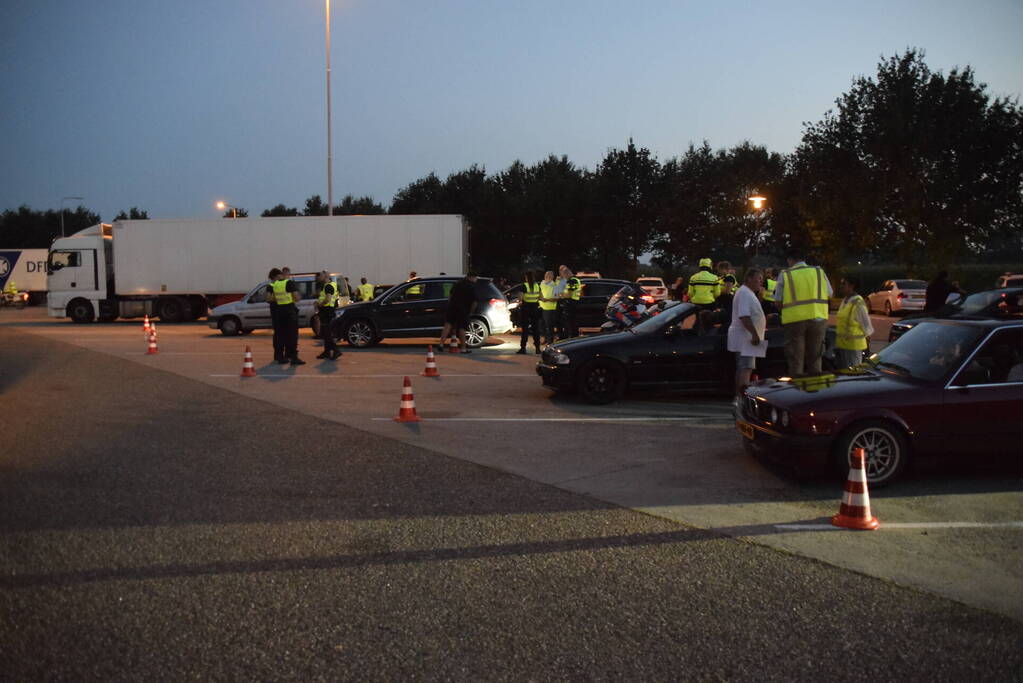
column 476, row 333
column 884, row 445
column 360, row 334
column 602, row 381
column 229, row 326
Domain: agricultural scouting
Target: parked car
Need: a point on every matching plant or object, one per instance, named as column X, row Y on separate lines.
column 420, row 313
column 991, row 303
column 1009, row 280
column 893, row 296
column 664, row 352
column 592, row 302
column 945, row 387
column 252, row 312
column 654, row 286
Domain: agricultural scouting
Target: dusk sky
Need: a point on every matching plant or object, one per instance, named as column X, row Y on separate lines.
column 169, row 106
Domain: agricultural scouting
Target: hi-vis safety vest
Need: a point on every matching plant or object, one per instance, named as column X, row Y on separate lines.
column 366, row 292
column 415, row 290
column 574, row 288
column 804, row 296
column 849, row 333
column 769, row 288
column 547, row 292
column 328, row 300
column 282, row 297
column 703, row 287
column 531, row 293
column 11, row 288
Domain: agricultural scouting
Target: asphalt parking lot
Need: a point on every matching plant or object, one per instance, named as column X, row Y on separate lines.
column 676, row 458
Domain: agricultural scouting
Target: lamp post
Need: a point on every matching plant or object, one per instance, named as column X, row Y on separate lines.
column 224, row 205
column 330, row 156
column 62, row 200
column 758, row 206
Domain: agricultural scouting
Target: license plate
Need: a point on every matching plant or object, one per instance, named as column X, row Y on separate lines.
column 745, row 429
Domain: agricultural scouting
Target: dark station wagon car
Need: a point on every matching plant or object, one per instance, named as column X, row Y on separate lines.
column 945, row 387
column 991, row 303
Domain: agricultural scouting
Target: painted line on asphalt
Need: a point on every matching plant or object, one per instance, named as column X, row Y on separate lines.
column 552, row 419
column 908, row 525
column 340, row 376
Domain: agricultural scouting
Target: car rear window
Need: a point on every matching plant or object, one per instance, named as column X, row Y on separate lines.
column 647, row 282
column 486, row 290
column 911, row 284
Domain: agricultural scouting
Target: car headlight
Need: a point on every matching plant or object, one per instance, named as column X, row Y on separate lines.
column 774, row 415
column 560, row 359
column 784, row 418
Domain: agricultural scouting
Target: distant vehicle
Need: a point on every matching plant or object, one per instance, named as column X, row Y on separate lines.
column 252, row 312
column 654, row 286
column 175, row 269
column 893, row 296
column 1009, row 280
column 400, row 313
column 27, row 269
column 945, row 387
column 664, row 352
column 588, row 275
column 991, row 303
column 589, row 310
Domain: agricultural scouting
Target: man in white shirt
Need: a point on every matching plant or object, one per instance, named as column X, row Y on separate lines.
column 746, row 333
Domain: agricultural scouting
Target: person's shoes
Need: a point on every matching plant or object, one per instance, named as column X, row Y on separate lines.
column 335, row 355
column 297, row 361
column 282, row 361
column 324, row 355
column 521, row 352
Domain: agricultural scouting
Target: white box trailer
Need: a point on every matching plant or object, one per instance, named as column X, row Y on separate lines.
column 175, row 269
column 26, row 268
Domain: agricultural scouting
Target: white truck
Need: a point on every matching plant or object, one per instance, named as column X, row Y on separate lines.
column 26, row 268
column 176, row 269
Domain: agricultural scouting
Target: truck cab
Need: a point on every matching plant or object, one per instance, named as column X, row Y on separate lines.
column 79, row 276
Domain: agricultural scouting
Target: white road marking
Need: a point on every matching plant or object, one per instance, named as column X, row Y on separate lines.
column 338, row 375
column 908, row 525
column 553, row 419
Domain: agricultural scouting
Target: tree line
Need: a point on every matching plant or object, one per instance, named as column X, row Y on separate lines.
column 912, row 166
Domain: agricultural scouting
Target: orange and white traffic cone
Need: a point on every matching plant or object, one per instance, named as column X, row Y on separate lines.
column 145, row 327
column 248, row 368
column 431, row 363
column 407, row 413
column 453, row 345
column 855, row 510
column 152, row 342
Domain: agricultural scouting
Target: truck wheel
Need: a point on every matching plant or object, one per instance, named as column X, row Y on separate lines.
column 80, row 311
column 230, row 326
column 602, row 381
column 171, row 309
column 360, row 334
column 476, row 333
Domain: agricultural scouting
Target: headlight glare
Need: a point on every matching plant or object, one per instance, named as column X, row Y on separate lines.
column 560, row 359
column 784, row 418
column 774, row 415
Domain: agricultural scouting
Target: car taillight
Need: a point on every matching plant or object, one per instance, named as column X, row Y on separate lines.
column 498, row 303
column 647, row 299
column 902, row 295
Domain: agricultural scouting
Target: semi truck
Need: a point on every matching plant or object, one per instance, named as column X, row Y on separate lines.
column 177, row 269
column 26, row 268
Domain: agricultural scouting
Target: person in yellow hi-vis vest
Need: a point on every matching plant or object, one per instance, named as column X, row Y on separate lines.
column 529, row 312
column 548, row 306
column 803, row 293
column 703, row 286
column 365, row 291
column 852, row 336
column 767, row 297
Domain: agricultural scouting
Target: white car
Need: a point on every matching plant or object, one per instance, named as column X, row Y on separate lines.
column 654, row 286
column 252, row 312
column 898, row 295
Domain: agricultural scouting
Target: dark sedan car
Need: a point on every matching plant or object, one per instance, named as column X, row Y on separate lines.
column 663, row 352
column 945, row 387
column 592, row 301
column 1000, row 304
column 416, row 309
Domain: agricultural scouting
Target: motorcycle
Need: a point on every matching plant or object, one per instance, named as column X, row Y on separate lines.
column 16, row 300
column 628, row 306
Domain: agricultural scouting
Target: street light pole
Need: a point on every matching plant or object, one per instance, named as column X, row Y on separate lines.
column 224, row 205
column 758, row 206
column 330, row 156
column 62, row 199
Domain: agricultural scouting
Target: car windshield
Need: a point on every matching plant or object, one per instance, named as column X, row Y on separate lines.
column 911, row 284
column 929, row 351
column 662, row 320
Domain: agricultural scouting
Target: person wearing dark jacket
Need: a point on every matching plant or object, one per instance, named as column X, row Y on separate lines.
column 938, row 290
column 461, row 304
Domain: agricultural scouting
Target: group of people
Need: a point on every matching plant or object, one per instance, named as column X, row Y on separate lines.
column 549, row 307
column 283, row 296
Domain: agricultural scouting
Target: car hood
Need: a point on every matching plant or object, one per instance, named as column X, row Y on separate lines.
column 224, row 309
column 589, row 344
column 838, row 390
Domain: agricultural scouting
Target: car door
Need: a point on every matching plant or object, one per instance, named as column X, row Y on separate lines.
column 253, row 310
column 412, row 313
column 983, row 403
column 429, row 314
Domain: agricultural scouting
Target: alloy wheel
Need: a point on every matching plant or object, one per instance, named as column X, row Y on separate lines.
column 881, row 450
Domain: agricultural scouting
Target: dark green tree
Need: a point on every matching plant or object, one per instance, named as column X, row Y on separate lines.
column 30, row 229
column 237, row 212
column 362, row 206
column 134, row 214
column 425, row 195
column 280, row 211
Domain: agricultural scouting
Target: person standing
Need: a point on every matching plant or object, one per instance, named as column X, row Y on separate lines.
column 461, row 304
column 703, row 286
column 326, row 307
column 726, row 275
column 275, row 316
column 529, row 312
column 678, row 290
column 852, row 336
column 569, row 301
column 548, row 306
column 415, row 291
column 803, row 292
column 746, row 332
column 767, row 293
column 286, row 295
column 938, row 291
column 365, row 291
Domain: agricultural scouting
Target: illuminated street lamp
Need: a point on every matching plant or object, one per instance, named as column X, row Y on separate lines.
column 758, row 206
column 222, row 205
column 62, row 200
column 758, row 202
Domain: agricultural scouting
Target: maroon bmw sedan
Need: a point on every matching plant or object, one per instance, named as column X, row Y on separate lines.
column 944, row 387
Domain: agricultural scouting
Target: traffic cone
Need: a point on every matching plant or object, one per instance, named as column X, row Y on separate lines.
column 452, row 345
column 248, row 369
column 407, row 413
column 145, row 327
column 431, row 363
column 152, row 342
column 855, row 510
